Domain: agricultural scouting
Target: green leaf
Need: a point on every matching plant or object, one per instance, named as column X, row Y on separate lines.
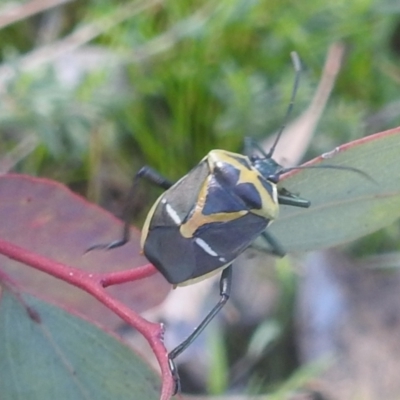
column 344, row 205
column 51, row 354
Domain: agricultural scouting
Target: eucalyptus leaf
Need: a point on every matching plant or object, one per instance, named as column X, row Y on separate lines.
column 345, row 205
column 47, row 353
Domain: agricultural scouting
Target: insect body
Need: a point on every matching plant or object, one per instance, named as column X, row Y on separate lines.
column 209, row 217
column 203, row 222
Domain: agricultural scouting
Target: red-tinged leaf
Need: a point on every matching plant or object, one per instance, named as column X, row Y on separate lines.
column 56, row 355
column 47, row 218
column 344, row 205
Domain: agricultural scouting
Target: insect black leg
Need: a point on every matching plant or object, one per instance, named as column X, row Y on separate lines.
column 276, row 248
column 224, row 291
column 290, row 199
column 149, row 175
column 175, row 376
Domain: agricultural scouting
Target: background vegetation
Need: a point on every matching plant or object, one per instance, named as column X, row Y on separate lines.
column 92, row 90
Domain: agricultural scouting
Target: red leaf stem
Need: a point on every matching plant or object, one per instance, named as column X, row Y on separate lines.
column 129, row 275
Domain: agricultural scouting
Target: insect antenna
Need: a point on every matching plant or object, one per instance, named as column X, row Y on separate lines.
column 297, row 68
column 337, row 167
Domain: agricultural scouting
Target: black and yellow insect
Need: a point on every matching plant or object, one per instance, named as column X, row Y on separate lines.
column 204, row 221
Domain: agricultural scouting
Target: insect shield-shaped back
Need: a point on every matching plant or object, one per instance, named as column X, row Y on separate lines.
column 203, row 222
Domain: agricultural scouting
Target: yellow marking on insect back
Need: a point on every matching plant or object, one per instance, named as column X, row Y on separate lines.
column 270, row 207
column 198, row 219
column 146, row 225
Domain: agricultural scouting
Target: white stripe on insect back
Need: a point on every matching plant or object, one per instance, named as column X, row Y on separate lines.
column 171, row 212
column 275, row 194
column 201, row 243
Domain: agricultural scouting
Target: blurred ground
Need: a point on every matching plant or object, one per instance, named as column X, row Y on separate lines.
column 352, row 314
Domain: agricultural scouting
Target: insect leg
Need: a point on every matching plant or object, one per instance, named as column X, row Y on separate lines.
column 224, row 291
column 175, row 376
column 149, row 175
column 276, row 248
column 290, row 199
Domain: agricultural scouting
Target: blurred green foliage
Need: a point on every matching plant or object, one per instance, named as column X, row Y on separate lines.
column 192, row 76
column 164, row 82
